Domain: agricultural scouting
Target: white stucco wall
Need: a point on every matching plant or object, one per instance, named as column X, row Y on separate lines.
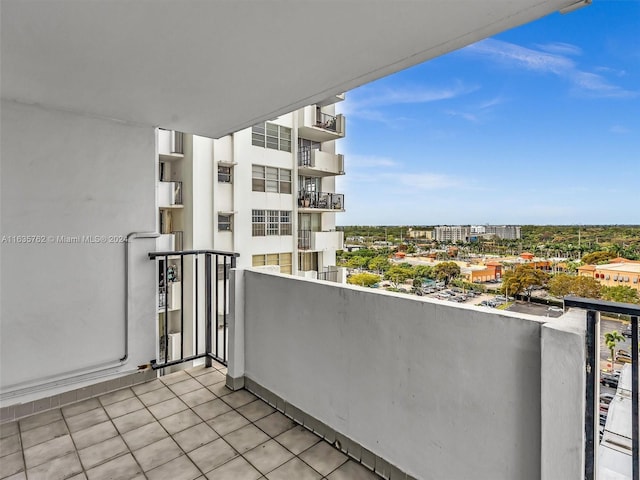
column 62, row 304
column 440, row 391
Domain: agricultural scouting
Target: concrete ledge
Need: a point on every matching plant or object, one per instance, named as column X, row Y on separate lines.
column 234, row 383
column 16, row 412
column 343, row 443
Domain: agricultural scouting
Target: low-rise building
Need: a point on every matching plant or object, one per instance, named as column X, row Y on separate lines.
column 619, row 272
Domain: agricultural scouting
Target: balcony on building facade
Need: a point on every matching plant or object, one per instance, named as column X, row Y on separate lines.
column 320, row 241
column 170, row 145
column 169, row 194
column 316, row 163
column 318, row 126
column 314, row 201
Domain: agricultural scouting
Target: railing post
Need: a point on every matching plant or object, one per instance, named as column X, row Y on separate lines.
column 207, row 281
column 635, row 427
column 592, row 372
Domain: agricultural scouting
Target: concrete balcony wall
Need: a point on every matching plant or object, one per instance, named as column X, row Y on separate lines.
column 440, row 391
column 326, row 240
column 63, row 296
column 166, row 194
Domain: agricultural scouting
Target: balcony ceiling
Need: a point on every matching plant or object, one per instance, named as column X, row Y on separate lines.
column 213, row 67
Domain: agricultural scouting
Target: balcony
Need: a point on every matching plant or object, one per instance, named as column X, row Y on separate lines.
column 315, row 163
column 318, row 126
column 319, row 241
column 170, row 194
column 170, row 145
column 314, row 201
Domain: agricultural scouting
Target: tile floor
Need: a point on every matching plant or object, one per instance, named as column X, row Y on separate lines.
column 183, row 426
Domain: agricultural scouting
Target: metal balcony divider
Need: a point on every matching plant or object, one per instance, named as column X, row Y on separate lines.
column 594, row 308
column 215, row 304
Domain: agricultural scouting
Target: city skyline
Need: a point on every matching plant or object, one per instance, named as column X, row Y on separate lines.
column 537, row 125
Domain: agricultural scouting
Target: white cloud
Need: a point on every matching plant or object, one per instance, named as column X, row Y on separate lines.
column 619, row 129
column 555, row 61
column 560, row 48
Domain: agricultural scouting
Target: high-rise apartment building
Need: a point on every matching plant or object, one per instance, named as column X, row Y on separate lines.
column 451, row 233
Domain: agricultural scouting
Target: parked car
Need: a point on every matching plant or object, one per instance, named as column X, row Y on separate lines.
column 555, row 309
column 627, row 331
column 623, row 358
column 610, row 379
column 606, row 398
column 603, row 419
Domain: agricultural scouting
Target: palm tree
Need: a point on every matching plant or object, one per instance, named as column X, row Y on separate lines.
column 612, row 339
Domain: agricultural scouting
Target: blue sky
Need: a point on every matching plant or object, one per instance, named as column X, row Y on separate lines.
column 537, row 125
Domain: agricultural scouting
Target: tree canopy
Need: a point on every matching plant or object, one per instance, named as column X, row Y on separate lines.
column 363, row 279
column 445, row 271
column 562, row 284
column 620, row 293
column 523, row 279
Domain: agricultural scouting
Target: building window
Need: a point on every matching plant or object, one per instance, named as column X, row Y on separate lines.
column 225, row 223
column 283, row 260
column 258, row 223
column 271, row 135
column 224, row 174
column 270, row 222
column 270, row 179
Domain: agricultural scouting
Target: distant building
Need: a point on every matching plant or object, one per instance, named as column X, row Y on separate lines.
column 505, row 232
column 619, row 272
column 454, row 233
column 426, row 234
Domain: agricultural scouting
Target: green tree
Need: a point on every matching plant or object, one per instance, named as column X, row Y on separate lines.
column 423, row 271
column 379, row 264
column 363, row 279
column 358, row 262
column 594, row 258
column 398, row 274
column 620, row 293
column 612, row 339
column 562, row 284
column 523, row 279
column 445, row 271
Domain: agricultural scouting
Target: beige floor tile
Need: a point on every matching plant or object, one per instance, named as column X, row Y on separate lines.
column 17, row 476
column 181, row 468
column 197, row 397
column 145, row 435
column 40, row 419
column 211, row 378
column 102, row 452
column 168, row 407
column 11, row 464
column 297, row 439
column 275, row 424
column 86, row 419
column 256, row 410
column 220, row 389
column 157, row 453
column 246, row 438
column 123, row 407
column 186, row 386
column 268, row 456
column 174, row 377
column 180, row 421
column 195, row 437
column 8, row 429
column 199, row 370
column 235, row 469
column 44, row 433
column 133, row 420
column 352, row 471
column 116, row 396
column 227, row 423
column 294, row 468
column 156, row 396
column 121, row 468
column 57, row 469
column 323, row 458
column 211, row 409
column 212, row 454
column 92, row 435
column 11, row 444
column 80, row 407
column 147, row 387
column 46, row 451
column 239, row 398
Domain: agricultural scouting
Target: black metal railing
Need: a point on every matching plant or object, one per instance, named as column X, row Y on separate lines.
column 328, row 275
column 321, row 200
column 326, row 121
column 304, row 239
column 594, row 308
column 305, row 158
column 209, row 299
